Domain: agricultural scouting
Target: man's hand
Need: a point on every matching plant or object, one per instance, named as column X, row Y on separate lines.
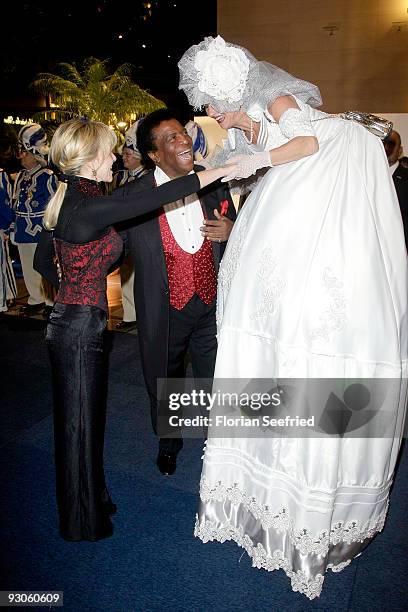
column 217, row 230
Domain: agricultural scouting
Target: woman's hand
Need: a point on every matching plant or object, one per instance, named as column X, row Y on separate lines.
column 213, row 174
column 244, row 166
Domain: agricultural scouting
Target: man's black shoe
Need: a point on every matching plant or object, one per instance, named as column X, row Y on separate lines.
column 31, row 309
column 167, row 463
column 126, row 325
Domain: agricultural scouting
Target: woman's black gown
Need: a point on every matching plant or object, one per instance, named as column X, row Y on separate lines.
column 86, row 247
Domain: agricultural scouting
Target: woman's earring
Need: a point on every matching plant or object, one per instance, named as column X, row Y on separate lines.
column 94, row 174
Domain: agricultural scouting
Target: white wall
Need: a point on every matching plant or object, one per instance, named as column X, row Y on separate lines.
column 361, row 66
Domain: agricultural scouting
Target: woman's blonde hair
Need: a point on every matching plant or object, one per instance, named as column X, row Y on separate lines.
column 74, row 144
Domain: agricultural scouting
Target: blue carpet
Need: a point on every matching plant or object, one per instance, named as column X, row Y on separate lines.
column 152, row 562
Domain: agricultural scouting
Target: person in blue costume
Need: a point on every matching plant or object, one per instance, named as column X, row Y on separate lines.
column 34, row 186
column 7, row 281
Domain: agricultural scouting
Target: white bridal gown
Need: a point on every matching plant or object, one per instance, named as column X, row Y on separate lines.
column 313, row 284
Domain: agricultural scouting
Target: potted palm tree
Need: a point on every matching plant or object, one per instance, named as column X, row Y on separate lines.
column 93, row 91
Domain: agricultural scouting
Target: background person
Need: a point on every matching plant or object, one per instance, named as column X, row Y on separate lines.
column 7, row 280
column 198, row 139
column 132, row 170
column 8, row 286
column 399, row 172
column 33, row 188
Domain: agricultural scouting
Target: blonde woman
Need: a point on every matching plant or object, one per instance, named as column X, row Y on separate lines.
column 86, row 246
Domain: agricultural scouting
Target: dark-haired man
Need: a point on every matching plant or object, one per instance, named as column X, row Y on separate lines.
column 176, row 252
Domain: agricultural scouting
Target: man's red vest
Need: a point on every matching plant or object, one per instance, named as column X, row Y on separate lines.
column 188, row 273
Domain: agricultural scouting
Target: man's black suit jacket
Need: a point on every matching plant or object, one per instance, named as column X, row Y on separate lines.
column 151, row 283
column 400, row 178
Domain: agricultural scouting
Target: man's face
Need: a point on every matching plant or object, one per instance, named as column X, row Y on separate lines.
column 27, row 160
column 131, row 160
column 393, row 148
column 174, row 149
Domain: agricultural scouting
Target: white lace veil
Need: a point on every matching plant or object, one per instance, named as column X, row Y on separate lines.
column 229, row 77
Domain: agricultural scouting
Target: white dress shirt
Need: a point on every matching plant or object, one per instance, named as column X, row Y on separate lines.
column 185, row 217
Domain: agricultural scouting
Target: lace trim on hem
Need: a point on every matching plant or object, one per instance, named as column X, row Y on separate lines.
column 302, row 539
column 300, row 582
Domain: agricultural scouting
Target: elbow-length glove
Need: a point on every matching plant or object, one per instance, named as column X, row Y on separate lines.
column 245, row 165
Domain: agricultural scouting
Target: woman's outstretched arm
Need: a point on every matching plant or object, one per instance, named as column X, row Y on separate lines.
column 134, row 199
column 302, row 141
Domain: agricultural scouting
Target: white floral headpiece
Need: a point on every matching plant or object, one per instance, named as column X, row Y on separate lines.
column 222, row 71
column 229, row 77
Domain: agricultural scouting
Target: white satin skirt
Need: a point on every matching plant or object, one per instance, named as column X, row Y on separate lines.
column 313, row 284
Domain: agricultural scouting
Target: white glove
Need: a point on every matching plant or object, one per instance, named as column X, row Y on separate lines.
column 245, row 165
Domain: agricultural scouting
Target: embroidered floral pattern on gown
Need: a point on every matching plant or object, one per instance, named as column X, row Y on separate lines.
column 313, row 284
